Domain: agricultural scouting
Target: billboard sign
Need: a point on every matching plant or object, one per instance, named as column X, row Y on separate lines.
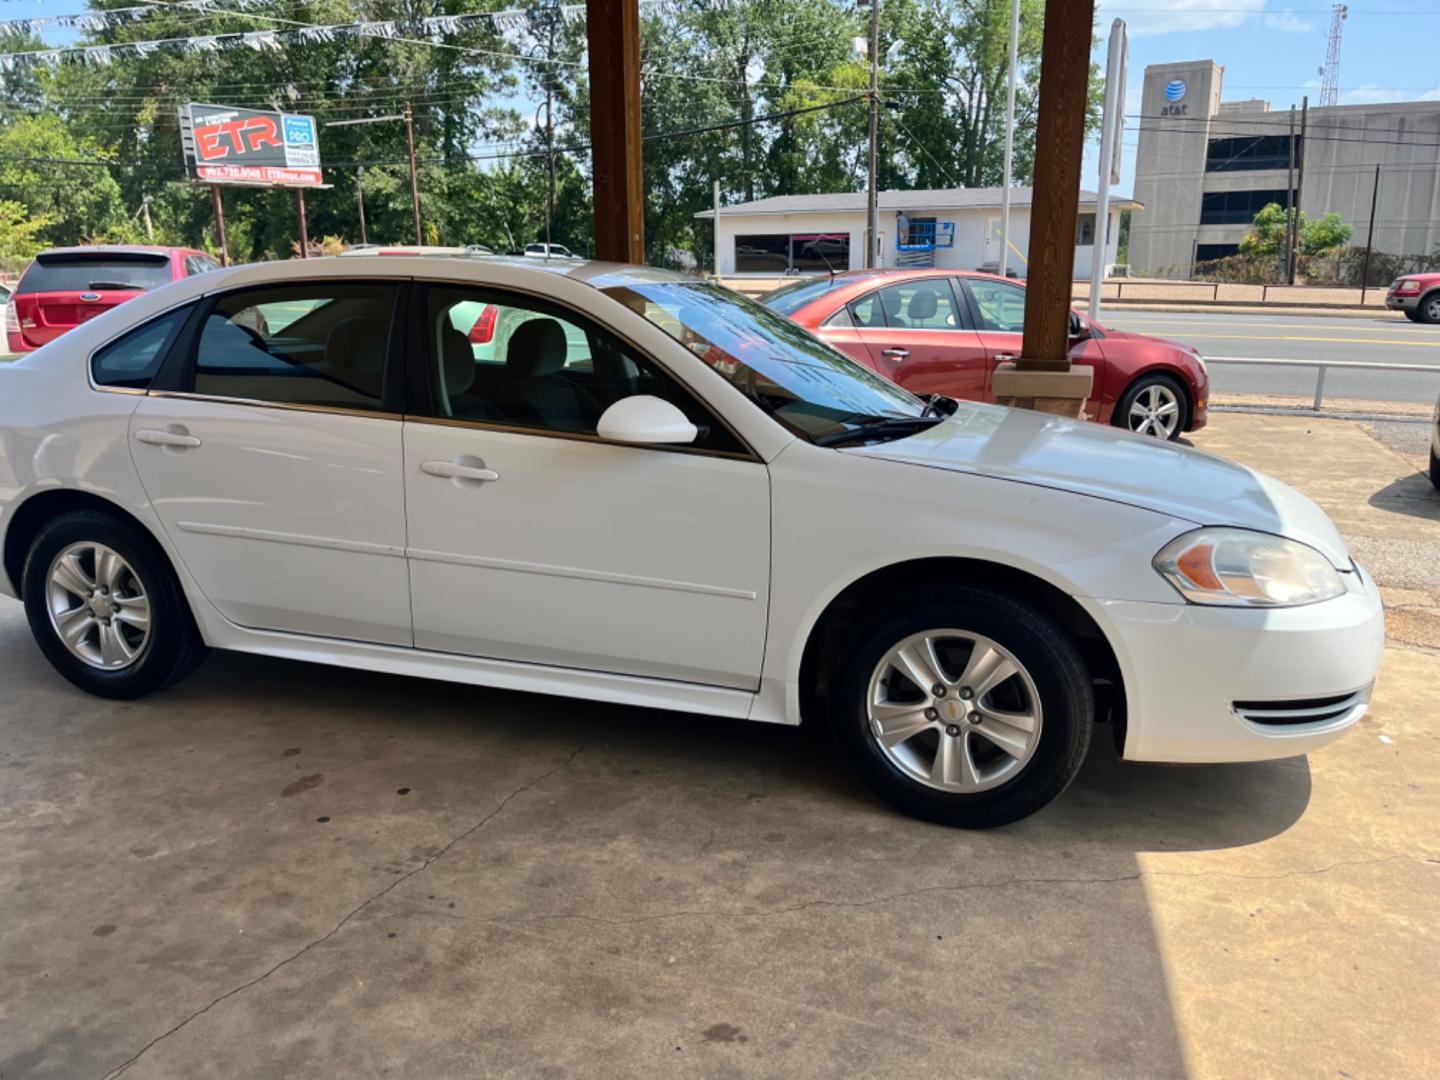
column 226, row 145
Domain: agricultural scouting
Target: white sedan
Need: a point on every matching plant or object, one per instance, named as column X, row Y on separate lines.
column 662, row 494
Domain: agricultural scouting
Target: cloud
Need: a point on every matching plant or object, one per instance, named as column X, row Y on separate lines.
column 1192, row 16
column 1371, row 94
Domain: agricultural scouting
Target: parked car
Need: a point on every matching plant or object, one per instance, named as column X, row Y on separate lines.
column 1435, row 446
column 714, row 513
column 1417, row 295
column 944, row 332
column 4, row 307
column 413, row 249
column 65, row 287
column 553, row 251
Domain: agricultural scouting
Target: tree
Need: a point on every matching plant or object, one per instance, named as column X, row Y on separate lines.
column 37, row 171
column 1268, row 234
column 1324, row 235
column 19, row 236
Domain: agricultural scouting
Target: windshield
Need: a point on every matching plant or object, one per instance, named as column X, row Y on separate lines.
column 789, row 299
column 814, row 390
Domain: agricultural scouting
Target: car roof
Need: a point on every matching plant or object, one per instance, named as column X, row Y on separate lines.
column 858, row 282
column 117, row 249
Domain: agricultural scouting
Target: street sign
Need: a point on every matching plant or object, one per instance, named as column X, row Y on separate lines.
column 226, row 145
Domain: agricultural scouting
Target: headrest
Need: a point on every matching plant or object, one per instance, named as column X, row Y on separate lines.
column 924, row 303
column 891, row 299
column 355, row 352
column 457, row 360
column 537, row 348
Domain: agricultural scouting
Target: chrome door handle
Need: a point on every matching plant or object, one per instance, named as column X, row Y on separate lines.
column 178, row 439
column 451, row 470
column 1005, row 358
column 895, row 353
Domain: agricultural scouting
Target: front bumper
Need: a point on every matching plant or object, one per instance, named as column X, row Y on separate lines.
column 1186, row 666
column 1402, row 301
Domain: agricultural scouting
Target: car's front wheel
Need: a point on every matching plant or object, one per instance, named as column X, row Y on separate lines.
column 1154, row 404
column 105, row 607
column 962, row 706
column 1429, row 308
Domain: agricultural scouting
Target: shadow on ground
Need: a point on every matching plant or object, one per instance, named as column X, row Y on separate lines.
column 1412, row 494
column 278, row 870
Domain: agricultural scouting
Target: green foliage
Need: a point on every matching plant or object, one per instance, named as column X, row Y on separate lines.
column 1324, row 235
column 484, row 171
column 19, row 236
column 1268, row 233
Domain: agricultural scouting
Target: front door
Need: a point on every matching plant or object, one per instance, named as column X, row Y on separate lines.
column 275, row 467
column 533, row 540
column 924, row 341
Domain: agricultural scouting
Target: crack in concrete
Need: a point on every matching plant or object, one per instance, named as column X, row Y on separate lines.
column 932, row 889
column 471, row 831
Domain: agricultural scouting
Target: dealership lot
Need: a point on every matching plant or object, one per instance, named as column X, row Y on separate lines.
column 277, row 870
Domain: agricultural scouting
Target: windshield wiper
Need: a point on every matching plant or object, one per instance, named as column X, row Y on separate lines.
column 113, row 285
column 876, row 427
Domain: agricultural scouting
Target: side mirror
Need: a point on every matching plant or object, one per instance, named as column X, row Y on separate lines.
column 1078, row 328
column 646, row 420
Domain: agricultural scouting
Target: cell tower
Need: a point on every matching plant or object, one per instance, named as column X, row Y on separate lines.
column 1330, row 73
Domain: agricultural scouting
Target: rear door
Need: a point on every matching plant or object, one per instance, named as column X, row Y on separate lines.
column 918, row 335
column 998, row 308
column 63, row 289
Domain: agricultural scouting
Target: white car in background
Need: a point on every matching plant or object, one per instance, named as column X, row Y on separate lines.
column 659, row 493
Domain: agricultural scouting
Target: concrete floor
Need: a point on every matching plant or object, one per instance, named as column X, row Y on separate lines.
column 277, row 870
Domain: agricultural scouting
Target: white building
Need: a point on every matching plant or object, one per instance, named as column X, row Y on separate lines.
column 950, row 227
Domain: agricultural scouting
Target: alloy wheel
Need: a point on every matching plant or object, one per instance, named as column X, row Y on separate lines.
column 98, row 606
column 1432, row 310
column 1155, row 411
column 954, row 710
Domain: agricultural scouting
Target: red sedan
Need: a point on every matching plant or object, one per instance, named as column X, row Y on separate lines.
column 65, row 287
column 944, row 331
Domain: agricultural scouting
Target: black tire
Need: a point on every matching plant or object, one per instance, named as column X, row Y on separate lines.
column 173, row 648
column 1428, row 310
column 1413, row 314
column 1121, row 416
column 1041, row 646
column 1434, row 468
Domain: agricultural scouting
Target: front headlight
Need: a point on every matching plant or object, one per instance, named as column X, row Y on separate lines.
column 1240, row 568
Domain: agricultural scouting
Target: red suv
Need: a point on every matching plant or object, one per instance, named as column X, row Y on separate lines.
column 944, row 331
column 1417, row 295
column 65, row 287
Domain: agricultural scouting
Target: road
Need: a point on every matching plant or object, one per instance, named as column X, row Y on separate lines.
column 1382, row 338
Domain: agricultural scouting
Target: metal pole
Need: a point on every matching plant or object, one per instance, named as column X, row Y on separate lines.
column 1370, row 236
column 716, row 242
column 149, row 225
column 1109, row 122
column 1299, row 188
column 1004, row 260
column 220, row 224
column 300, row 212
column 872, row 205
column 1289, row 205
column 360, row 200
column 414, row 182
column 549, row 132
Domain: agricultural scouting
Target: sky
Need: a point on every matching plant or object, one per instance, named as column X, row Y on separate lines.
column 1269, row 49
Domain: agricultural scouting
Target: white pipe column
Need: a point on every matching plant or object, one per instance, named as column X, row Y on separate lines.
column 1009, row 137
column 1110, row 127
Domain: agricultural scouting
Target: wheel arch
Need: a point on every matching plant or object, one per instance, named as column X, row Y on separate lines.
column 1425, row 297
column 1099, row 653
column 1174, row 371
column 31, row 516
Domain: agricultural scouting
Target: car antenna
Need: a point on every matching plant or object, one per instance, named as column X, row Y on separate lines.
column 826, row 262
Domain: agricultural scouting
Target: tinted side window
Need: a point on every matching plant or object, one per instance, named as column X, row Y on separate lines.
column 298, row 345
column 921, row 305
column 131, row 362
column 1001, row 305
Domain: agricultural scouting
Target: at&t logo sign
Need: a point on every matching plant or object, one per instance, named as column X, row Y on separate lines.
column 1175, row 95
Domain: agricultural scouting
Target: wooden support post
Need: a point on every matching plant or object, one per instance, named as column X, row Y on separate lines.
column 1042, row 378
column 300, row 213
column 613, row 27
column 220, row 224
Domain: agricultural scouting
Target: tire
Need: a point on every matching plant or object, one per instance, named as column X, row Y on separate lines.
column 1142, row 394
column 1434, row 468
column 1413, row 314
column 984, row 786
column 1428, row 310
column 134, row 635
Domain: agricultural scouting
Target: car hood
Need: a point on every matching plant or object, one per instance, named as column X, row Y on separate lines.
column 1107, row 463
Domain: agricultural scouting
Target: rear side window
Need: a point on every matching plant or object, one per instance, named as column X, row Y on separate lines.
column 92, row 273
column 130, row 362
column 298, row 345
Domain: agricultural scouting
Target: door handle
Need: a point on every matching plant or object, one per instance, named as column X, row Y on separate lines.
column 1005, row 358
column 454, row 470
column 895, row 353
column 180, row 440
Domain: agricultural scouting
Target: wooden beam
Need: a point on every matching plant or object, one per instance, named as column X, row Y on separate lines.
column 613, row 27
column 1060, row 146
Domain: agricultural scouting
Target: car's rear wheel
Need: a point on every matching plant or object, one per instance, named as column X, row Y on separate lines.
column 105, row 607
column 1429, row 308
column 1154, row 404
column 962, row 706
column 1434, row 468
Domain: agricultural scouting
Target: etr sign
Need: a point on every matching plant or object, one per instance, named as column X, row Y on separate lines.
column 225, row 145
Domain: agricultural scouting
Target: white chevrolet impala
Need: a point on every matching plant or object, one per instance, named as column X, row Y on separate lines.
column 626, row 485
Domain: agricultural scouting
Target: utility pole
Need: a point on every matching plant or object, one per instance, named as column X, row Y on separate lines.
column 360, row 200
column 550, row 128
column 715, row 257
column 149, row 225
column 414, row 181
column 1004, row 261
column 1299, row 190
column 1286, row 266
column 1370, row 235
column 872, row 204
column 220, row 224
